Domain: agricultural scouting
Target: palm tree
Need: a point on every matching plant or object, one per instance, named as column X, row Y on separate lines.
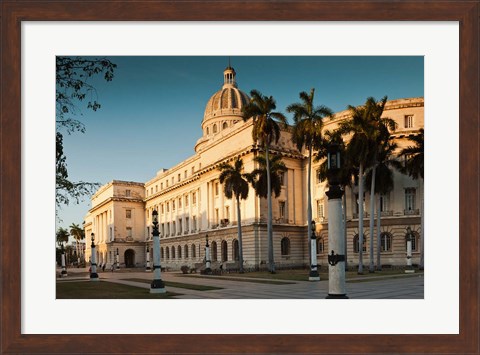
column 307, row 132
column 414, row 158
column 259, row 178
column 62, row 236
column 383, row 184
column 266, row 129
column 235, row 183
column 79, row 234
column 364, row 131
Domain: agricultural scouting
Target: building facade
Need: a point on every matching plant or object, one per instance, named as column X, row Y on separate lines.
column 191, row 204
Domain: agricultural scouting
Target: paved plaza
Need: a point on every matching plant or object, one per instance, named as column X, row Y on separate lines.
column 409, row 286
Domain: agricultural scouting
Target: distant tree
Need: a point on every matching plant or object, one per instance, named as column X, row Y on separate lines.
column 72, row 88
column 235, row 183
column 266, row 130
column 62, row 236
column 78, row 233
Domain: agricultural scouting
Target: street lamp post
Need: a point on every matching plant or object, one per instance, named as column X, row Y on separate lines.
column 93, row 268
column 157, row 285
column 118, row 260
column 64, row 268
column 208, row 269
column 313, row 276
column 409, row 268
column 336, row 242
column 148, row 260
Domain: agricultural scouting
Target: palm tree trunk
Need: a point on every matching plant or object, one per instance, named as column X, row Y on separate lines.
column 372, row 219
column 345, row 226
column 240, row 242
column 271, row 261
column 379, row 241
column 360, row 219
column 309, row 200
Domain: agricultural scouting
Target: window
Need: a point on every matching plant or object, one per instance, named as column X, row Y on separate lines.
column 168, row 206
column 128, row 213
column 179, row 202
column 408, row 121
column 224, row 251
column 193, row 169
column 129, row 232
column 214, row 128
column 174, row 228
column 163, row 229
column 415, row 238
column 410, row 200
column 162, row 253
column 185, row 248
column 178, row 178
column 213, row 248
column 386, row 242
column 180, row 226
column 281, row 209
column 173, row 205
column 281, row 178
column 194, row 198
column 161, row 186
column 356, row 244
column 173, row 180
column 179, row 252
column 224, row 125
column 320, row 245
column 168, row 230
column 216, row 216
column 173, row 252
column 216, row 188
column 186, row 200
column 227, row 213
column 156, row 188
column 162, row 208
column 194, row 226
column 187, row 224
column 208, row 131
column 167, row 252
column 384, row 199
column 166, row 183
column 185, row 174
column 151, row 191
column 193, row 251
column 285, row 246
column 320, row 210
column 111, row 233
column 127, row 193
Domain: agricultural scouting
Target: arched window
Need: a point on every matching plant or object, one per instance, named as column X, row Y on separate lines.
column 193, row 251
column 179, row 252
column 167, row 250
column 386, row 242
column 214, row 128
column 214, row 251
column 224, row 251
column 415, row 237
column 285, row 246
column 185, row 248
column 173, row 252
column 320, row 245
column 356, row 243
column 161, row 253
column 224, row 125
column 235, row 251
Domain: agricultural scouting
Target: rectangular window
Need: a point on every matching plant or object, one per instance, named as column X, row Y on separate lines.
column 174, row 228
column 168, row 230
column 173, row 205
column 281, row 207
column 168, row 206
column 185, row 174
column 161, row 186
column 128, row 213
column 186, row 200
column 162, row 208
column 163, row 229
column 187, row 224
column 216, row 188
column 178, row 178
column 179, row 202
column 194, row 198
column 410, row 200
column 194, row 226
column 127, row 193
column 193, row 169
column 180, row 226
column 129, row 232
column 384, row 203
column 408, row 121
column 156, row 188
column 216, row 216
column 151, row 191
column 320, row 210
column 166, row 183
column 227, row 213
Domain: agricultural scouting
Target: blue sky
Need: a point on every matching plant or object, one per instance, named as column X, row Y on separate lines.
column 152, row 111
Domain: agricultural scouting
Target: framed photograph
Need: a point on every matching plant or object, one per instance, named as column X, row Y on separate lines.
column 444, row 33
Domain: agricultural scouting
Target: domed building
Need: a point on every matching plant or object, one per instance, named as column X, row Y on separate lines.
column 191, row 204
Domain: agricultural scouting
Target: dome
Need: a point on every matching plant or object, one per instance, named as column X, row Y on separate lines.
column 226, row 102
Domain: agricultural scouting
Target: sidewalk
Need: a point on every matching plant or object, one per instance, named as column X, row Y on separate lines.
column 383, row 287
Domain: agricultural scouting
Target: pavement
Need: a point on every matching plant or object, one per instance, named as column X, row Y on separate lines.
column 408, row 286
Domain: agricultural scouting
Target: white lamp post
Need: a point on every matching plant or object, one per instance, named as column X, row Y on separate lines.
column 208, row 269
column 93, row 268
column 64, row 268
column 409, row 268
column 313, row 276
column 336, row 242
column 148, row 260
column 157, row 285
